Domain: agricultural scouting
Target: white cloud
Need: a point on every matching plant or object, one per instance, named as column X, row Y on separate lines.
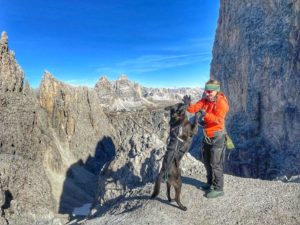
column 81, row 82
column 148, row 63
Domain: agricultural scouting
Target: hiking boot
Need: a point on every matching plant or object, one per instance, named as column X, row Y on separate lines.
column 207, row 187
column 214, row 194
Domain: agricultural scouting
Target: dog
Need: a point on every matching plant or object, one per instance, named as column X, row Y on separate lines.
column 181, row 133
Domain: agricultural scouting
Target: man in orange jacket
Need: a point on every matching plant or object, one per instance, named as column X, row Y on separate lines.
column 213, row 108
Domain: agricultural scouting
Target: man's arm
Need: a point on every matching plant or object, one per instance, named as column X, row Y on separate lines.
column 193, row 108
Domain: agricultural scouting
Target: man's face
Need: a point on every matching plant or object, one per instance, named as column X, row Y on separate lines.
column 210, row 94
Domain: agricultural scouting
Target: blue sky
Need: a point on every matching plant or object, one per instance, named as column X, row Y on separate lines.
column 157, row 43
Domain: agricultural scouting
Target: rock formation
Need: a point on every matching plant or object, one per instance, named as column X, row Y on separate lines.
column 142, row 140
column 10, row 72
column 105, row 91
column 256, row 56
column 82, row 139
column 53, row 144
column 24, row 185
column 126, row 89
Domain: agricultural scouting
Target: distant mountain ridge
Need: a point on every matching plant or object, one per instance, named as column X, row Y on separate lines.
column 126, row 95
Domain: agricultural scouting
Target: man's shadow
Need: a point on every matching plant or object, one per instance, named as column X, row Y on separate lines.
column 81, row 180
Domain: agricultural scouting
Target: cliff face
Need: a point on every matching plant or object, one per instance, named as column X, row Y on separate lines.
column 74, row 114
column 141, row 142
column 52, row 145
column 24, row 187
column 10, row 72
column 256, row 56
column 82, row 139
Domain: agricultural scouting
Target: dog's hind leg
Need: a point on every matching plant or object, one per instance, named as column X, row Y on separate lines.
column 157, row 185
column 177, row 195
column 169, row 192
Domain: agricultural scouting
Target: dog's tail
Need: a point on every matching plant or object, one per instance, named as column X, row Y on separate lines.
column 157, row 185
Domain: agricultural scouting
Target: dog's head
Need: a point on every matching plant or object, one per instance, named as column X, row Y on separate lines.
column 177, row 113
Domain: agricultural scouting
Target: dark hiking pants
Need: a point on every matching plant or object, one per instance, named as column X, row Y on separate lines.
column 213, row 157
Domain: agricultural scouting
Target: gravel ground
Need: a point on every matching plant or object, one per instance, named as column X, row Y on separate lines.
column 246, row 201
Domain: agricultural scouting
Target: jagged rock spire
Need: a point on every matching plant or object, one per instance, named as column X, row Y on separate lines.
column 123, row 77
column 103, row 80
column 4, row 38
column 11, row 74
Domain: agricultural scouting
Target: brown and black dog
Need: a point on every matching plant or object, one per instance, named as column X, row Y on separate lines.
column 181, row 133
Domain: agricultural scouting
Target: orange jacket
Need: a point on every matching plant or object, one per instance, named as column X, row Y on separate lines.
column 214, row 118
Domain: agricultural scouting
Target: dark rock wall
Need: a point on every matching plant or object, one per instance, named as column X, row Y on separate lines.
column 256, row 56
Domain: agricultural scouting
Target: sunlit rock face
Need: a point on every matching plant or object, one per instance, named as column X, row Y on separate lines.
column 11, row 73
column 105, row 91
column 256, row 56
column 82, row 141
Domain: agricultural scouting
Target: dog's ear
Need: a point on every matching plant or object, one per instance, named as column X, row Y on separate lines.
column 171, row 107
column 168, row 108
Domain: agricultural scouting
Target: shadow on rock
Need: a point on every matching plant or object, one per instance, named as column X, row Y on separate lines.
column 81, row 181
column 117, row 183
column 193, row 182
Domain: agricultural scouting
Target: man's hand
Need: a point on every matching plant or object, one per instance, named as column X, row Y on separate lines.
column 202, row 113
column 200, row 116
column 186, row 100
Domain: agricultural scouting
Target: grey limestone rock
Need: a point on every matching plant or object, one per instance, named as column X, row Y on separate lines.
column 105, row 91
column 53, row 143
column 83, row 140
column 11, row 73
column 23, row 180
column 141, row 143
column 256, row 56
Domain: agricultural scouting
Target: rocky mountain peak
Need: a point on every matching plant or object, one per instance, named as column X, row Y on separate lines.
column 123, row 77
column 103, row 80
column 49, row 87
column 105, row 91
column 11, row 74
column 124, row 94
column 48, row 75
column 4, row 39
column 125, row 89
